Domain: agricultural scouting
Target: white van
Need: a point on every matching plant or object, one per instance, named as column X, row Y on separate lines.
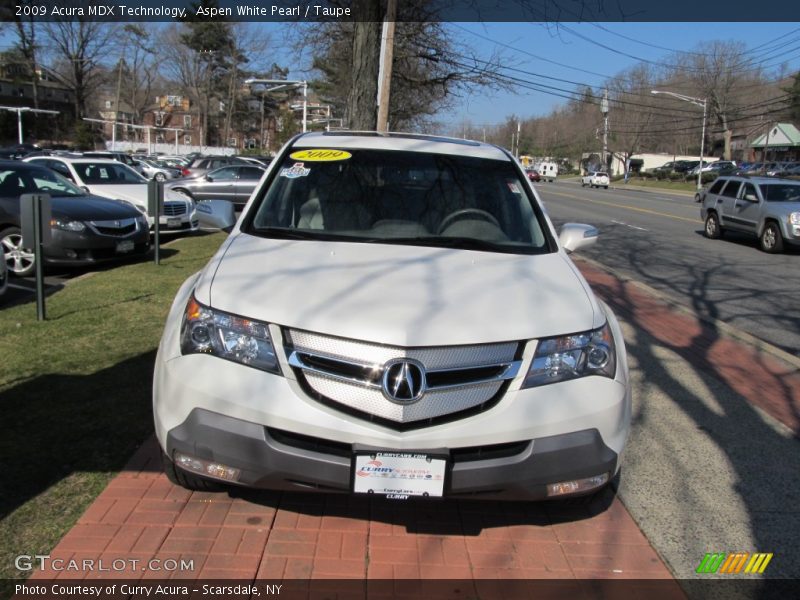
column 548, row 171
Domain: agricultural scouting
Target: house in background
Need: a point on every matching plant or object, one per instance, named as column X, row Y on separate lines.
column 780, row 143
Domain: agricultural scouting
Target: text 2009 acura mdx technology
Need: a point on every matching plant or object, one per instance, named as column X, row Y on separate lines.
column 393, row 314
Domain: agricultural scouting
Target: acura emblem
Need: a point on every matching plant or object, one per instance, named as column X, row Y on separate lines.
column 403, row 380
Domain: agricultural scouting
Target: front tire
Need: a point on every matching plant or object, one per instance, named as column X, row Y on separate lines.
column 771, row 240
column 19, row 260
column 712, row 229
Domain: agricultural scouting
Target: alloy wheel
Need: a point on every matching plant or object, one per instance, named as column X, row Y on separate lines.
column 18, row 259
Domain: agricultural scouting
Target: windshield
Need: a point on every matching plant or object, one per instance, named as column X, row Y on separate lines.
column 781, row 192
column 107, row 173
column 402, row 197
column 14, row 183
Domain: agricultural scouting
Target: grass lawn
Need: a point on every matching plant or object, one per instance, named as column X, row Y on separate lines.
column 75, row 392
column 665, row 184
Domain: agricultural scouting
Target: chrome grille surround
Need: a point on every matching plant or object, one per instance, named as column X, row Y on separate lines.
column 115, row 227
column 349, row 373
column 174, row 208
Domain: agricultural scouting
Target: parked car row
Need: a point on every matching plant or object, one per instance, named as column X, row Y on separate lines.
column 85, row 228
column 99, row 201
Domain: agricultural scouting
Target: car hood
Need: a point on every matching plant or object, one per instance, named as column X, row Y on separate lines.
column 91, row 208
column 134, row 192
column 399, row 295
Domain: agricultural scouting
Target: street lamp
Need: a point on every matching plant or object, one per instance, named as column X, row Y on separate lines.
column 284, row 84
column 696, row 102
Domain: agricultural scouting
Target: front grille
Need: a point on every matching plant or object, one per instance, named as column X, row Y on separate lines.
column 174, row 209
column 120, row 228
column 348, row 374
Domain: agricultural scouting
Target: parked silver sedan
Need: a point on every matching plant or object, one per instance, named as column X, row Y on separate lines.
column 234, row 183
column 157, row 170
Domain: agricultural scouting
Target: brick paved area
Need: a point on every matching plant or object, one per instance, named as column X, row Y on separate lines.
column 247, row 535
column 766, row 382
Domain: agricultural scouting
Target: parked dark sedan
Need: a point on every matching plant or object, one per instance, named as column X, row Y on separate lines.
column 234, row 183
column 85, row 229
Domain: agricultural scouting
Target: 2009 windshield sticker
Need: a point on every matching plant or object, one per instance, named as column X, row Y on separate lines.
column 293, row 172
column 512, row 185
column 320, row 155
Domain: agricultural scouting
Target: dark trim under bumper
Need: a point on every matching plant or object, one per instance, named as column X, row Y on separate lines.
column 325, row 466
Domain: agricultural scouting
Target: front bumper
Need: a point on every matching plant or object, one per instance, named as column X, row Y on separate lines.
column 75, row 249
column 279, row 460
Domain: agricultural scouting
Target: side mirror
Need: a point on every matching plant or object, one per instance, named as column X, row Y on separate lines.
column 751, row 197
column 574, row 236
column 218, row 214
column 209, row 178
column 85, row 189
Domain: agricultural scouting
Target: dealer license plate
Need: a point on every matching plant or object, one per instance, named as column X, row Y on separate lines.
column 398, row 475
column 173, row 222
column 125, row 246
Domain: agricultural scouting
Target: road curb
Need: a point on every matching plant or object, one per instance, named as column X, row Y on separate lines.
column 725, row 328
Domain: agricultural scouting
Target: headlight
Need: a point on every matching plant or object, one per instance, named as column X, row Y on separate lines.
column 794, row 218
column 207, row 331
column 573, row 356
column 67, row 225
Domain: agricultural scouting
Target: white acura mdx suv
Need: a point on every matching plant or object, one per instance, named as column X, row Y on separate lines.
column 393, row 314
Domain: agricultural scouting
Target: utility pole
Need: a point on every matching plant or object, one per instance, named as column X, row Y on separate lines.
column 604, row 110
column 519, row 127
column 385, row 65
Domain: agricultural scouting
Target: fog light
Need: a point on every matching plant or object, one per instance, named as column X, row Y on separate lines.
column 207, row 468
column 71, row 254
column 577, row 485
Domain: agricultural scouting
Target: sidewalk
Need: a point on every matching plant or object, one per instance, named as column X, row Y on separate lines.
column 247, row 535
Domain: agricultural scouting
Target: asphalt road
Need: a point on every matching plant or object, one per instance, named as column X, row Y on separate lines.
column 657, row 238
column 703, row 470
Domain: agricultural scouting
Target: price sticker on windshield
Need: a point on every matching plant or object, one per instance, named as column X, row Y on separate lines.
column 320, row 155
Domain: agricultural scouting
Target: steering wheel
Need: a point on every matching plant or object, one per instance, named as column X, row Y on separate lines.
column 453, row 216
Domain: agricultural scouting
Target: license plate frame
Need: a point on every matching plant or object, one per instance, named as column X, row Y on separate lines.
column 125, row 246
column 173, row 222
column 399, row 475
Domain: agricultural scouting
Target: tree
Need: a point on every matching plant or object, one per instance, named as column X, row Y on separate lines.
column 27, row 47
column 721, row 73
column 430, row 67
column 793, row 99
column 632, row 110
column 79, row 49
column 136, row 71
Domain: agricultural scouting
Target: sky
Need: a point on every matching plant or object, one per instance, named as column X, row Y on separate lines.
column 587, row 53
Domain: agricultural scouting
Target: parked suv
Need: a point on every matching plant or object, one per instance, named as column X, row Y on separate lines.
column 766, row 207
column 393, row 314
column 595, row 179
